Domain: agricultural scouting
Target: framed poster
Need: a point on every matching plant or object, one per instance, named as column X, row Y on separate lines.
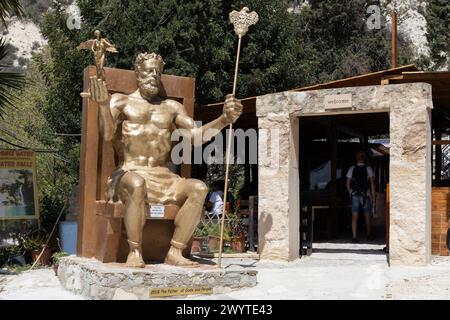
column 18, row 191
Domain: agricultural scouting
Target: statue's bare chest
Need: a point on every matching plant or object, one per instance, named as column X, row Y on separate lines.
column 148, row 116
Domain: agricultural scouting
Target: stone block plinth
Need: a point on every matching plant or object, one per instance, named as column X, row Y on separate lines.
column 113, row 281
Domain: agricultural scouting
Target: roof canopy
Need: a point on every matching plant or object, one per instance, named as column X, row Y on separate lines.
column 405, row 74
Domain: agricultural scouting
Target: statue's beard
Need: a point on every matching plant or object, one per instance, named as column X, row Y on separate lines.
column 148, row 90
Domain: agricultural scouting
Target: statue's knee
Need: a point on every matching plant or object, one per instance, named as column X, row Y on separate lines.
column 135, row 186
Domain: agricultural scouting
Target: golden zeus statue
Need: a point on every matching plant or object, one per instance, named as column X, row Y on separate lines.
column 141, row 124
column 98, row 46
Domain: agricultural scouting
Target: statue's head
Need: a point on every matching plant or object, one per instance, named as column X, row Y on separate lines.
column 148, row 68
column 97, row 34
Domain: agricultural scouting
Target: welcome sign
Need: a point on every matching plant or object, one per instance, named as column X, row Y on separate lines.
column 338, row 101
column 18, row 192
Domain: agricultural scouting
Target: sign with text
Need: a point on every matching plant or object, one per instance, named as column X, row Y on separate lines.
column 338, row 101
column 18, row 192
column 178, row 291
column 157, row 211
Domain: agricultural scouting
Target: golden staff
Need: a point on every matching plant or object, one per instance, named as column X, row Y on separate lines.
column 241, row 21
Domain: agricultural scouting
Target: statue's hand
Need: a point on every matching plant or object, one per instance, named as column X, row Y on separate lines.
column 98, row 91
column 232, row 108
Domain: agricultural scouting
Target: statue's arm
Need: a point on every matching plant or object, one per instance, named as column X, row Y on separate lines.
column 231, row 111
column 110, row 107
column 109, row 114
column 198, row 136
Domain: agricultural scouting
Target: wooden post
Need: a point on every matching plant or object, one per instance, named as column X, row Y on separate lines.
column 388, row 222
column 394, row 39
column 438, row 155
column 332, row 227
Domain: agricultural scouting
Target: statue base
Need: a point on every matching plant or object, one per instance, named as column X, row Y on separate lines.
column 113, row 281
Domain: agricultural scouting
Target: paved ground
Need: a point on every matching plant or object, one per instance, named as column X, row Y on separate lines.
column 334, row 271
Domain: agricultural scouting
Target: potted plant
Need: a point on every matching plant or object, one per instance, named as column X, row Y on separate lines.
column 213, row 231
column 199, row 236
column 55, row 258
column 35, row 244
column 236, row 233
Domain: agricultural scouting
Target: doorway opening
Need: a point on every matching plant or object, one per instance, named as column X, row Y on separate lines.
column 328, row 145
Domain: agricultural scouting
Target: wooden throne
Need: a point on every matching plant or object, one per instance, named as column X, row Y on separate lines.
column 101, row 233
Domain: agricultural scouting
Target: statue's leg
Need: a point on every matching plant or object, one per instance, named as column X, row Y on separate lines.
column 132, row 191
column 190, row 195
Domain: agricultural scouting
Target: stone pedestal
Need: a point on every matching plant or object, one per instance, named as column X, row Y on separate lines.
column 113, row 281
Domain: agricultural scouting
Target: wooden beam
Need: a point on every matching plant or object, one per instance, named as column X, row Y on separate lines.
column 441, row 142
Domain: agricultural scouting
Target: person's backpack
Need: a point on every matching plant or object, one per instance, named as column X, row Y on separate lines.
column 360, row 183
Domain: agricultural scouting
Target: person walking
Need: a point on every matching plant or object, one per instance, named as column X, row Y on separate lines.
column 361, row 187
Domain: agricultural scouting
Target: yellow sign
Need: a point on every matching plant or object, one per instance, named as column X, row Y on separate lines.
column 18, row 192
column 178, row 291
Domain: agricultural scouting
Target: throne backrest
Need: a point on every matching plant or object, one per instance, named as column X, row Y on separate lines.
column 97, row 159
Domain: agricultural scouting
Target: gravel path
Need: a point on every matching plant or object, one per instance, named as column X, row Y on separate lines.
column 41, row 284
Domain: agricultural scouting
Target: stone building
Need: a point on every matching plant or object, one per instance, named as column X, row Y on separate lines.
column 321, row 127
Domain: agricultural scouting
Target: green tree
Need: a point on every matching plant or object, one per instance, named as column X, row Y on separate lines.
column 197, row 40
column 9, row 8
column 9, row 81
column 345, row 46
column 28, row 128
column 437, row 15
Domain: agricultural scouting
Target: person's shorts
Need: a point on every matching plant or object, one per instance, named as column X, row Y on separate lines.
column 361, row 203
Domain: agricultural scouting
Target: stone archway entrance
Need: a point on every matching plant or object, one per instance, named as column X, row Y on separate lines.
column 409, row 106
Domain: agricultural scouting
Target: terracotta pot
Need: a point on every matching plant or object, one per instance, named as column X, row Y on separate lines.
column 45, row 258
column 238, row 245
column 197, row 244
column 213, row 243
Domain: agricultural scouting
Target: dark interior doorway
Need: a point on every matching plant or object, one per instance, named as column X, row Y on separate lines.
column 328, row 145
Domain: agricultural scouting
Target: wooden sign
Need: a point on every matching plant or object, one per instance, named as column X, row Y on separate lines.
column 338, row 101
column 178, row 291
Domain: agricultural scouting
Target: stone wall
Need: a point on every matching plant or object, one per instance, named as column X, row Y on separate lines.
column 409, row 106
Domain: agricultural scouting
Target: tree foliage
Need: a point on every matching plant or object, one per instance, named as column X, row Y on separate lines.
column 437, row 15
column 196, row 39
column 9, row 8
column 324, row 41
column 9, row 81
column 344, row 44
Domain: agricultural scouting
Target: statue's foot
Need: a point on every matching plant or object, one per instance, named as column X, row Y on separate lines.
column 175, row 258
column 135, row 260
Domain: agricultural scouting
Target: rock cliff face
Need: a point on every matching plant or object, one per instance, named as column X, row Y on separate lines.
column 411, row 22
column 24, row 37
